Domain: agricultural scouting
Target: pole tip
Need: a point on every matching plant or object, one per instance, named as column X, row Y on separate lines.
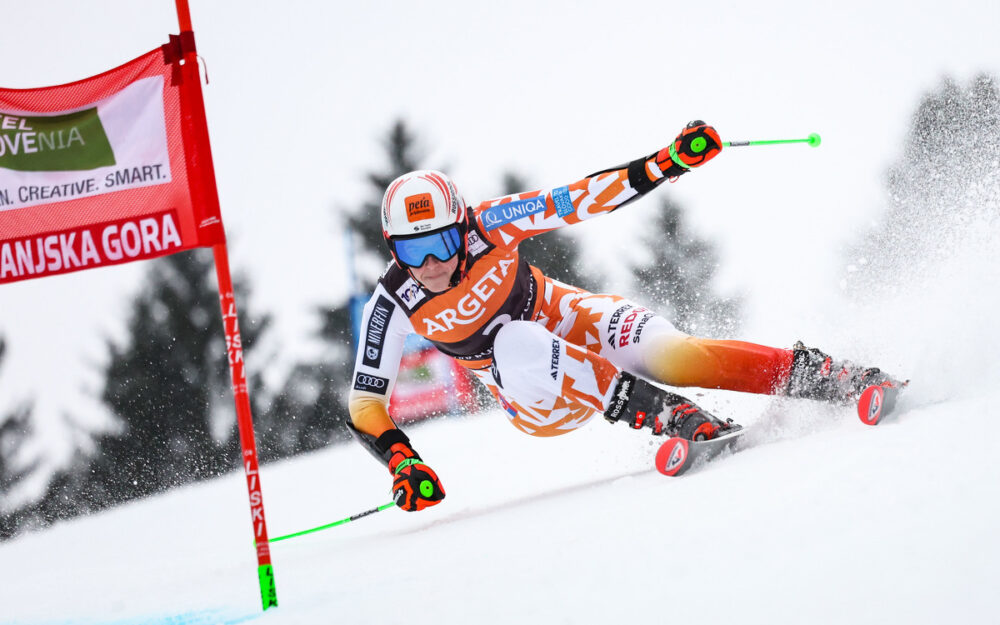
column 814, row 140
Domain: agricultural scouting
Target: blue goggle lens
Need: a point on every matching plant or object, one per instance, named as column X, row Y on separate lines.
column 414, row 251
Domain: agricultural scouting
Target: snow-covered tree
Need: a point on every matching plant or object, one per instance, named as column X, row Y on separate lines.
column 15, row 429
column 946, row 181
column 675, row 274
column 169, row 388
column 311, row 410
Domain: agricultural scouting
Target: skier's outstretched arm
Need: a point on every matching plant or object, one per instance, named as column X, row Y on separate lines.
column 509, row 220
column 380, row 347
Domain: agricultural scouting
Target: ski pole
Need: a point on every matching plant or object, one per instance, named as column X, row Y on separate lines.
column 813, row 140
column 354, row 517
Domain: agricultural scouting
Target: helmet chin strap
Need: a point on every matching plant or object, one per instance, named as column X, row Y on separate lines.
column 463, row 260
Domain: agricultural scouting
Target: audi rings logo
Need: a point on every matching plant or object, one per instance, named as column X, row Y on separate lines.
column 370, row 383
column 372, row 380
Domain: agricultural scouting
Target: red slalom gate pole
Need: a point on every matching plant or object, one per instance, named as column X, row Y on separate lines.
column 183, row 15
column 207, row 192
column 244, row 420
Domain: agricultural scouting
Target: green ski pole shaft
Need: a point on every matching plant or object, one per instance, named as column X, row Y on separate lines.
column 354, row 517
column 813, row 140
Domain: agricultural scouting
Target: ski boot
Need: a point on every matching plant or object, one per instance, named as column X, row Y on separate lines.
column 815, row 375
column 640, row 404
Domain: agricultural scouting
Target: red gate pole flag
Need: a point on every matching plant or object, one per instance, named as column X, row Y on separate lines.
column 117, row 168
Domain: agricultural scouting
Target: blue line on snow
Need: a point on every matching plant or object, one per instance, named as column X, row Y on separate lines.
column 202, row 617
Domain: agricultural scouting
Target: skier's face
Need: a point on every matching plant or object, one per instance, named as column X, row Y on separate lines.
column 435, row 275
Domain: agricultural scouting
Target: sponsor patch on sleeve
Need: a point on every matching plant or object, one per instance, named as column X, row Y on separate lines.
column 476, row 245
column 370, row 383
column 502, row 214
column 378, row 323
column 563, row 202
column 410, row 293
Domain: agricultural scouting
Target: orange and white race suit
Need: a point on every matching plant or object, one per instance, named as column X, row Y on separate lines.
column 549, row 352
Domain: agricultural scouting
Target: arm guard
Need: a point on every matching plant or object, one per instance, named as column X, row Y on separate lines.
column 379, row 447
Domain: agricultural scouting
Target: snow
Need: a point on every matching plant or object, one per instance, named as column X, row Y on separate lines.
column 824, row 520
column 300, row 97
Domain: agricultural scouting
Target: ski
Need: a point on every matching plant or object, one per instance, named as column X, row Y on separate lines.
column 876, row 402
column 679, row 455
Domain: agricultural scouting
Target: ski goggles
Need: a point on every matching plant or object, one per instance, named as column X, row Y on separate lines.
column 413, row 251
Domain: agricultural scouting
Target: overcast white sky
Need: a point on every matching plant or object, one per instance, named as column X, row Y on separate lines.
column 301, row 92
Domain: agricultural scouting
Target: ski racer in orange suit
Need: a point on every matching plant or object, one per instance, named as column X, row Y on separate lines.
column 553, row 355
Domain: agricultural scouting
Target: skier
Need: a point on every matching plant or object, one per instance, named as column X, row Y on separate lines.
column 553, row 355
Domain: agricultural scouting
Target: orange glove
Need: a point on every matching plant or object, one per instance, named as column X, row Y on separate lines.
column 697, row 144
column 415, row 485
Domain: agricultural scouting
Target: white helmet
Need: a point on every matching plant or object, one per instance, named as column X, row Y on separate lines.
column 423, row 214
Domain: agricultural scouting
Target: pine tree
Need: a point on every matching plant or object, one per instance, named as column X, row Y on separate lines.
column 371, row 256
column 306, row 415
column 401, row 151
column 170, row 386
column 15, row 429
column 676, row 280
column 947, row 180
column 311, row 410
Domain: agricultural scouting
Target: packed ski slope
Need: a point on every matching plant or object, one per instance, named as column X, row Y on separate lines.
column 824, row 520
